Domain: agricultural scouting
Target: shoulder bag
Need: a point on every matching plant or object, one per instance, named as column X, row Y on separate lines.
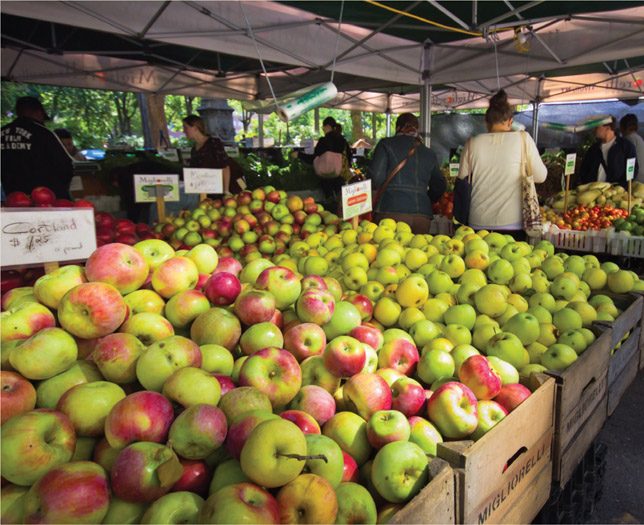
column 400, row 166
column 463, row 191
column 531, row 213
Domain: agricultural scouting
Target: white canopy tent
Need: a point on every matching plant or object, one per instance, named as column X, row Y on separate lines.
column 374, row 71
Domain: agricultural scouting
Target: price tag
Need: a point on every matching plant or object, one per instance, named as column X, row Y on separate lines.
column 203, row 180
column 571, row 159
column 453, row 169
column 147, row 186
column 35, row 236
column 630, row 168
column 76, row 184
column 356, row 199
column 359, row 152
column 232, row 151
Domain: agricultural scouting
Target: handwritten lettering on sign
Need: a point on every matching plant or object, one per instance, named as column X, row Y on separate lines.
column 33, row 237
column 356, row 199
column 203, row 180
column 145, row 187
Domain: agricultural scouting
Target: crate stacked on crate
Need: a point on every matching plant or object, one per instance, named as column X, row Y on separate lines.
column 505, row 476
column 625, row 355
column 581, row 407
column 583, row 241
column 433, row 504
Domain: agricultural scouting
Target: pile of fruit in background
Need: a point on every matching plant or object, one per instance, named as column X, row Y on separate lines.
column 308, row 379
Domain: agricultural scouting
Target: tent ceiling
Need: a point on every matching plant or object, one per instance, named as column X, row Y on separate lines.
column 205, row 48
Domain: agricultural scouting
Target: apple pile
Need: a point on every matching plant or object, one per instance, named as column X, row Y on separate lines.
column 42, row 197
column 110, row 229
column 598, row 194
column 250, row 225
column 445, row 206
column 310, row 386
column 582, row 218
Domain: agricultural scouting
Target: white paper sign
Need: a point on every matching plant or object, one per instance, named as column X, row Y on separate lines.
column 76, row 184
column 232, row 151
column 571, row 158
column 34, row 236
column 169, row 154
column 630, row 168
column 203, row 180
column 453, row 169
column 356, row 199
column 145, row 187
column 359, row 152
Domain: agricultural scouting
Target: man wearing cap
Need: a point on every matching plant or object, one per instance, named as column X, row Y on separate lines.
column 32, row 155
column 605, row 160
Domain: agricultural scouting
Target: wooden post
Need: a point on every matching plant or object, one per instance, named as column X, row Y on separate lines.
column 567, row 192
column 203, row 196
column 630, row 191
column 160, row 203
column 51, row 266
column 354, row 222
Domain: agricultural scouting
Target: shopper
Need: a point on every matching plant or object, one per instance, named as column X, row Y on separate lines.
column 66, row 138
column 605, row 160
column 32, row 155
column 410, row 192
column 628, row 126
column 332, row 143
column 494, row 161
column 208, row 151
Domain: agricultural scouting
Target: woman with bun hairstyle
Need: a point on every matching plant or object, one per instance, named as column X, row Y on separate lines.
column 334, row 142
column 208, row 151
column 494, row 160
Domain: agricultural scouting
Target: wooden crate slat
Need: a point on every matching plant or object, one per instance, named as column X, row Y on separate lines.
column 623, row 356
column 626, row 372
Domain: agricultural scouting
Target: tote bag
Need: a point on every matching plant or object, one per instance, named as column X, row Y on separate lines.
column 328, row 165
column 531, row 213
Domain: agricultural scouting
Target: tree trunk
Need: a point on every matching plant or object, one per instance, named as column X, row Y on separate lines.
column 189, row 106
column 155, row 104
column 356, row 122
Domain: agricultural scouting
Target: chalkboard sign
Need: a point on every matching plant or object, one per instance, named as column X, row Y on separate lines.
column 35, row 236
column 203, row 180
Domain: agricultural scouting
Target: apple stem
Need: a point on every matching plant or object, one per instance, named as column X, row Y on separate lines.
column 304, row 458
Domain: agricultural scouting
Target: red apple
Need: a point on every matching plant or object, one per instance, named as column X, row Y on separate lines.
column 222, row 288
column 225, row 382
column 363, row 304
column 453, row 410
column 17, row 395
column 229, row 265
column 119, row 265
column 82, row 203
column 125, row 226
column 344, row 356
column 350, row 473
column 408, row 396
column 400, row 355
column 365, row 394
column 480, row 377
column 104, row 220
column 512, row 395
column 306, row 423
column 18, row 199
column 63, row 203
column 42, row 195
column 368, row 334
column 196, row 477
column 316, row 401
column 304, row 340
column 254, row 306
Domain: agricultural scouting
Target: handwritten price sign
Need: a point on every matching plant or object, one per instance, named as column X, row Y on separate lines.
column 356, row 199
column 203, row 180
column 32, row 236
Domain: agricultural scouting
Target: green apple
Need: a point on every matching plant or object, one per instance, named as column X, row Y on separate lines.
column 175, row 507
column 500, row 271
column 345, row 318
column 620, row 281
column 535, row 351
column 227, row 473
column 491, row 300
column 191, row 386
column 596, row 278
column 251, row 271
column 434, row 310
column 438, row 282
column 154, row 251
column 558, row 357
column 574, row 339
column 331, row 465
column 567, row 319
column 163, row 358
column 585, row 310
column 588, row 335
column 423, row 332
column 435, row 364
column 51, row 390
column 509, row 374
column 216, row 359
column 205, row 258
column 45, row 354
column 51, row 287
column 542, row 315
column 349, row 431
column 457, row 334
column 461, row 314
column 400, row 470
column 141, row 301
column 544, row 300
column 506, row 346
column 525, row 326
column 412, row 291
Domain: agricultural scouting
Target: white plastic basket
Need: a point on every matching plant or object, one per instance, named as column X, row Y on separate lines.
column 625, row 245
column 441, row 225
column 583, row 241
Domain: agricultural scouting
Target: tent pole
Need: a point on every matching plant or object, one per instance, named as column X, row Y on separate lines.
column 388, row 128
column 260, row 129
column 373, row 127
column 535, row 120
column 316, row 119
column 145, row 121
column 426, row 95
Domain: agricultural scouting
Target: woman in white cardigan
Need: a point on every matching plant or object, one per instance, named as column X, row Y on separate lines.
column 495, row 160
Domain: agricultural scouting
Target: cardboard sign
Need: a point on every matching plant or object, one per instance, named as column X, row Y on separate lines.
column 35, row 236
column 76, row 184
column 232, row 151
column 356, row 199
column 453, row 169
column 147, row 186
column 170, row 154
column 571, row 159
column 203, row 180
column 630, row 168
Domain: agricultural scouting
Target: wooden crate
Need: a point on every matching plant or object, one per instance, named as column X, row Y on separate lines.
column 582, row 393
column 435, row 503
column 622, row 368
column 631, row 316
column 505, row 476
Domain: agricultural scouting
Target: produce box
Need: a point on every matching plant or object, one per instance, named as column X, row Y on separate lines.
column 625, row 245
column 441, row 225
column 505, row 476
column 583, row 241
column 582, row 395
column 632, row 306
column 623, row 367
column 435, row 503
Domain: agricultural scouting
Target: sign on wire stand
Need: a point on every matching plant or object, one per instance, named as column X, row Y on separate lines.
column 630, row 168
column 356, row 199
column 453, row 169
column 203, row 180
column 146, row 187
column 36, row 236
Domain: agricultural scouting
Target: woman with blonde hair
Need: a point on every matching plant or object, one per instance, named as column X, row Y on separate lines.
column 208, row 151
